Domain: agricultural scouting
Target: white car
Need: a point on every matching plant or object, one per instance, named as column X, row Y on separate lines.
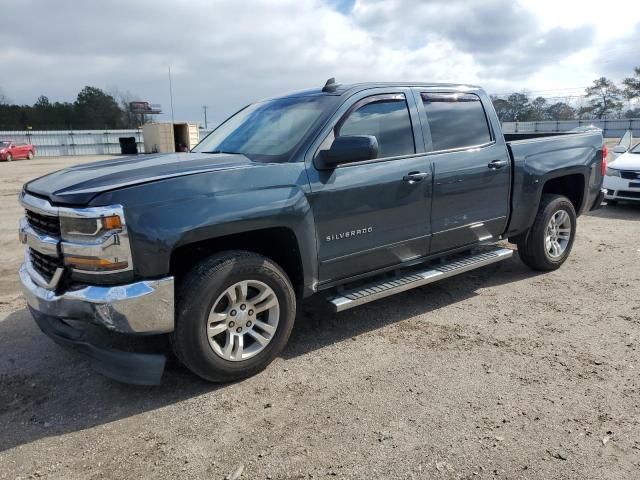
column 622, row 179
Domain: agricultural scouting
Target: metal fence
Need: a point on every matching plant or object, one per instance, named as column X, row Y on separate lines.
column 611, row 128
column 50, row 143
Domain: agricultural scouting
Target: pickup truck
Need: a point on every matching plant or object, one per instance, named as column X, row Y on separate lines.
column 10, row 151
column 353, row 192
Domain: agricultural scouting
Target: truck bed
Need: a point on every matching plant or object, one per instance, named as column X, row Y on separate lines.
column 539, row 157
column 514, row 137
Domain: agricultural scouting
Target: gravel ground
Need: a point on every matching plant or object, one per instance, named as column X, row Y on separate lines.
column 500, row 372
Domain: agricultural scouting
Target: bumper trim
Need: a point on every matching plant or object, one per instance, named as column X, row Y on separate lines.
column 145, row 307
column 126, row 367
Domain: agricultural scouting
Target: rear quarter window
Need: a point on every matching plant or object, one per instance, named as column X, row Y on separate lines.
column 456, row 120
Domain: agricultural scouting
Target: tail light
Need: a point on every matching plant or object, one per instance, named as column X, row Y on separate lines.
column 605, row 152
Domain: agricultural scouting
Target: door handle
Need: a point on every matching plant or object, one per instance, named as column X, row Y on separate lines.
column 496, row 164
column 415, row 177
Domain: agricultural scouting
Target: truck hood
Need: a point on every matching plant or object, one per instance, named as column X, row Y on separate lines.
column 79, row 184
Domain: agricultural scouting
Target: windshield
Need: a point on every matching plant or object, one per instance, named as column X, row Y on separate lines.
column 636, row 149
column 267, row 131
column 4, row 144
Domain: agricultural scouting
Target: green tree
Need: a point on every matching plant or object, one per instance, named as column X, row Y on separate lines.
column 96, row 109
column 502, row 108
column 632, row 113
column 604, row 99
column 538, row 110
column 561, row 111
column 632, row 85
column 520, row 110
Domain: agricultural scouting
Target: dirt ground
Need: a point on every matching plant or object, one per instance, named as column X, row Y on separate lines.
column 500, row 372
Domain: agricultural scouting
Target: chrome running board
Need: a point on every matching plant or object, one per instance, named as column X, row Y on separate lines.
column 386, row 287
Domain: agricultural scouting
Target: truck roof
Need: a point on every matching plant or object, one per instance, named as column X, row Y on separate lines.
column 341, row 89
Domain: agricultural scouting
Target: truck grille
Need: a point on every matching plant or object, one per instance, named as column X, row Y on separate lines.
column 629, row 175
column 44, row 264
column 44, row 223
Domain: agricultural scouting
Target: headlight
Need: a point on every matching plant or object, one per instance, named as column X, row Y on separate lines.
column 612, row 172
column 83, row 228
column 95, row 240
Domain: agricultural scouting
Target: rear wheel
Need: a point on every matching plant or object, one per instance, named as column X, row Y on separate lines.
column 235, row 312
column 548, row 242
column 30, row 155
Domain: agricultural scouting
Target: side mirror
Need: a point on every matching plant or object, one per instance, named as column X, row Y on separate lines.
column 619, row 149
column 351, row 148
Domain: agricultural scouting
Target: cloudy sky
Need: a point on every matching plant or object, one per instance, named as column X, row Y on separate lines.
column 226, row 53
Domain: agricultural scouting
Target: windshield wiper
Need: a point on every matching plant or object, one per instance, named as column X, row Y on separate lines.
column 224, row 151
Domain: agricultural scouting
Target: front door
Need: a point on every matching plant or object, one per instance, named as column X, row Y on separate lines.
column 471, row 167
column 373, row 214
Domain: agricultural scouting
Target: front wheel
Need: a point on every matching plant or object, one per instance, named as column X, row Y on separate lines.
column 30, row 155
column 548, row 242
column 9, row 157
column 235, row 312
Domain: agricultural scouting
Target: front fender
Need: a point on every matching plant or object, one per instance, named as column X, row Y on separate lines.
column 165, row 215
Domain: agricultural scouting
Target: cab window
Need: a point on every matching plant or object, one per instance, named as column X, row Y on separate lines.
column 387, row 119
column 456, row 120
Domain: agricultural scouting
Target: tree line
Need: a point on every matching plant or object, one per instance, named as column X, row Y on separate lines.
column 604, row 99
column 93, row 109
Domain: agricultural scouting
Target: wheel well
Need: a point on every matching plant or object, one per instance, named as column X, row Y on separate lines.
column 278, row 244
column 571, row 186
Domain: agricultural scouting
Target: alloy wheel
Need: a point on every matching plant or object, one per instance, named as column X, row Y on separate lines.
column 243, row 320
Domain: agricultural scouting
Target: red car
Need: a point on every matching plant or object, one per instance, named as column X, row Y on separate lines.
column 10, row 151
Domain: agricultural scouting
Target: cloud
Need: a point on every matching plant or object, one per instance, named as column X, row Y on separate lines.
column 227, row 53
column 619, row 57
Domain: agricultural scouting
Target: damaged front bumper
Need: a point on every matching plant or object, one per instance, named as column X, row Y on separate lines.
column 144, row 307
column 141, row 308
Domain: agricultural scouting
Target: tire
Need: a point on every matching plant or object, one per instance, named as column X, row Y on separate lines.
column 612, row 203
column 9, row 157
column 204, row 289
column 30, row 155
column 533, row 248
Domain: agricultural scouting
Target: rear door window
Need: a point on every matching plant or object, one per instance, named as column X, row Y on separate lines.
column 387, row 119
column 456, row 120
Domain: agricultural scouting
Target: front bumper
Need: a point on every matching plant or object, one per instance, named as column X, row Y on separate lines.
column 126, row 367
column 621, row 189
column 145, row 307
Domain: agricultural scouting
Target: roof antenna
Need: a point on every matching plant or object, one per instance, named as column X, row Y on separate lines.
column 330, row 86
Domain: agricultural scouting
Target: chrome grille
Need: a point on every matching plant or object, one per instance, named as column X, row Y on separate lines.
column 45, row 265
column 44, row 223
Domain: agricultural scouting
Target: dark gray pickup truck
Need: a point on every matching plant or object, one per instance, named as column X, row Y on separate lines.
column 355, row 192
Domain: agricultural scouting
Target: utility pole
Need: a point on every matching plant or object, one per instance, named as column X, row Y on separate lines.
column 171, row 95
column 204, row 107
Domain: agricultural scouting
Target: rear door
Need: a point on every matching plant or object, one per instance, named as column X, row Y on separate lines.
column 370, row 215
column 471, row 168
